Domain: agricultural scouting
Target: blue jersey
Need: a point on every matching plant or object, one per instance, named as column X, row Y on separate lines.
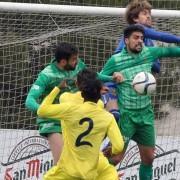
column 150, row 35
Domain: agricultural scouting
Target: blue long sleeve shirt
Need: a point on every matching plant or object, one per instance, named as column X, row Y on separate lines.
column 150, row 35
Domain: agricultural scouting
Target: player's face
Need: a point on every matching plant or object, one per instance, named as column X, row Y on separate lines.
column 144, row 18
column 134, row 43
column 71, row 63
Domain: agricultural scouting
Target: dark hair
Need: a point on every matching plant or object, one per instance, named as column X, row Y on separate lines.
column 134, row 8
column 65, row 51
column 89, row 85
column 133, row 28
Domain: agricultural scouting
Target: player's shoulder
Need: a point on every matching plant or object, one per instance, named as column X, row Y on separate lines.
column 71, row 97
column 49, row 69
column 121, row 56
column 80, row 65
column 109, row 116
column 100, row 103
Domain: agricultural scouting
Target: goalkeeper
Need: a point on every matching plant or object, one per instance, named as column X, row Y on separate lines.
column 137, row 116
column 84, row 128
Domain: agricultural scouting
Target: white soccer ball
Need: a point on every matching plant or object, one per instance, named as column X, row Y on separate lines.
column 144, row 83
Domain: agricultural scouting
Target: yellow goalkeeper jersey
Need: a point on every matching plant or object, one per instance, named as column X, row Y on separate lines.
column 86, row 125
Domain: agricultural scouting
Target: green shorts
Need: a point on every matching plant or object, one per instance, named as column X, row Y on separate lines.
column 138, row 125
column 48, row 126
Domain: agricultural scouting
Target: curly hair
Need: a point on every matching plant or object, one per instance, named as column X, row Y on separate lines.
column 134, row 8
column 65, row 50
column 133, row 28
column 89, row 85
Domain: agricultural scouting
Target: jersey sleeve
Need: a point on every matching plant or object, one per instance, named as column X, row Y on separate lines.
column 54, row 111
column 161, row 36
column 64, row 97
column 35, row 92
column 120, row 46
column 158, row 52
column 104, row 77
column 115, row 137
column 109, row 67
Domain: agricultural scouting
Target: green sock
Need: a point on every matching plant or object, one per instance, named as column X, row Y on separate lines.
column 145, row 172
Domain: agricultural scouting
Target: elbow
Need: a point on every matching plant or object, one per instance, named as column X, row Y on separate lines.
column 119, row 149
column 40, row 112
column 26, row 103
column 31, row 105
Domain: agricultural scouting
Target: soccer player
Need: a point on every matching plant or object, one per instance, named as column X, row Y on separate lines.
column 65, row 66
column 137, row 116
column 104, row 169
column 139, row 12
column 84, row 127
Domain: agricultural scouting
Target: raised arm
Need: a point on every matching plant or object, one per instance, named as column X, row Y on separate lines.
column 54, row 111
column 35, row 92
column 160, row 36
column 158, row 52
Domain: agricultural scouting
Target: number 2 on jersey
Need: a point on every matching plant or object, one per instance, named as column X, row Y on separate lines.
column 79, row 140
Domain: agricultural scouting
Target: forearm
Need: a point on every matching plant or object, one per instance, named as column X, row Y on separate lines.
column 161, row 36
column 158, row 52
column 118, row 146
column 104, row 78
column 47, row 109
column 35, row 93
column 50, row 98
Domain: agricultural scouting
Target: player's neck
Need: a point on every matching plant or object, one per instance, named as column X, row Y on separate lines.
column 90, row 100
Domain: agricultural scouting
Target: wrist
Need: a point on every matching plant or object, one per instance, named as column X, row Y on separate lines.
column 59, row 88
column 111, row 161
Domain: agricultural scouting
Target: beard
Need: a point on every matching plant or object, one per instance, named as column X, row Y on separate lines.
column 136, row 50
column 68, row 67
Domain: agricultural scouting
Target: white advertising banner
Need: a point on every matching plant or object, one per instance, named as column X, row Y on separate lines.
column 166, row 165
column 24, row 155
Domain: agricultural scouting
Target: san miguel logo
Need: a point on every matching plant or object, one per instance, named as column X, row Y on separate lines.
column 164, row 166
column 29, row 159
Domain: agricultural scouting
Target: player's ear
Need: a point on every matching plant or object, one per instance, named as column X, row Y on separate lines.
column 64, row 61
column 135, row 20
column 126, row 41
